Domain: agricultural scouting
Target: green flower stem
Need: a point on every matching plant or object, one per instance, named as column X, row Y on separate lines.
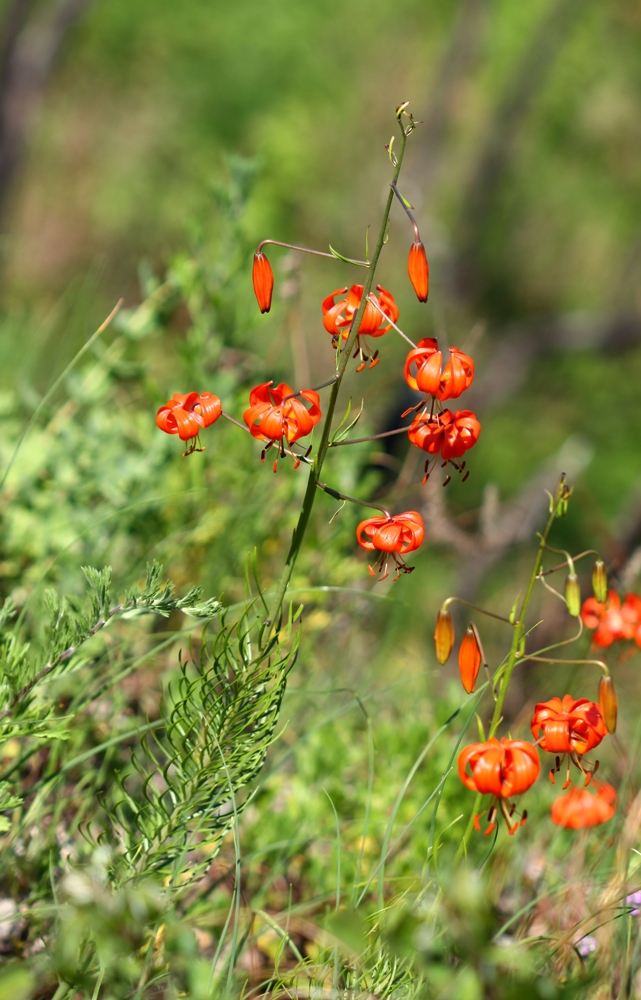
column 315, row 471
column 516, row 655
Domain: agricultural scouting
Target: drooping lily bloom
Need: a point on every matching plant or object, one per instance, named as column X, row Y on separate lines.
column 460, row 433
column 185, row 414
column 395, row 535
column 581, row 807
column 338, row 316
column 263, row 281
column 419, row 270
column 500, row 770
column 276, row 414
column 568, row 726
column 613, row 620
column 423, row 370
column 451, row 434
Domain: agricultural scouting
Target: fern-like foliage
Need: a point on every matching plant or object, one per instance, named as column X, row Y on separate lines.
column 21, row 712
column 219, row 718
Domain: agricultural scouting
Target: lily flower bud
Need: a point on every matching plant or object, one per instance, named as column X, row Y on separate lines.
column 600, row 582
column 562, row 498
column 419, row 270
column 608, row 702
column 263, row 281
column 573, row 595
column 444, row 635
column 469, row 659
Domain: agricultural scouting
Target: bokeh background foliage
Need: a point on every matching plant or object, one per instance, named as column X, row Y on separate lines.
column 144, row 159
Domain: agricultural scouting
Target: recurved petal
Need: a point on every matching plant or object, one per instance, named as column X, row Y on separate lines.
column 387, row 303
column 210, row 408
column 388, row 537
column 188, row 423
column 522, row 767
column 368, row 528
column 333, row 321
column 468, row 756
column 487, row 770
column 166, row 421
column 328, row 303
column 260, row 393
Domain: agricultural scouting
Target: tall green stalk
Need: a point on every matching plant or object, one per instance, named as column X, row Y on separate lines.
column 517, row 650
column 315, row 470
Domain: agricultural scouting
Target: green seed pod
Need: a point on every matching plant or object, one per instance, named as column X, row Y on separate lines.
column 573, row 595
column 600, row 581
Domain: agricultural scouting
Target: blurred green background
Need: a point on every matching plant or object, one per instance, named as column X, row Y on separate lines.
column 153, row 153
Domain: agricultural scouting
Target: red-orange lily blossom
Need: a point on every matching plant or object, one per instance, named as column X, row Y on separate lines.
column 419, row 270
column 613, row 620
column 394, row 535
column 276, row 414
column 263, row 281
column 427, row 360
column 568, row 726
column 185, row 414
column 501, row 770
column 451, row 434
column 338, row 316
column 581, row 807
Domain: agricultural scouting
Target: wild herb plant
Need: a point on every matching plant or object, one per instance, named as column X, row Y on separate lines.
column 111, row 846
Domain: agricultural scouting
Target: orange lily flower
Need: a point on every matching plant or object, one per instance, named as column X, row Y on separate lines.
column 447, row 433
column 394, row 535
column 185, row 414
column 612, row 620
column 581, row 808
column 338, row 317
column 451, row 434
column 419, row 270
column 448, row 383
column 277, row 415
column 568, row 727
column 500, row 770
column 263, row 281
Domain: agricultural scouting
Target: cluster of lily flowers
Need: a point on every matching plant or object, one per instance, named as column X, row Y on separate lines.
column 566, row 727
column 280, row 417
column 613, row 620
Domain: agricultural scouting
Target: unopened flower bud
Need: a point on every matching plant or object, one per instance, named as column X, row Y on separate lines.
column 573, row 595
column 469, row 660
column 263, row 281
column 600, row 581
column 444, row 635
column 608, row 702
column 563, row 494
column 419, row 270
